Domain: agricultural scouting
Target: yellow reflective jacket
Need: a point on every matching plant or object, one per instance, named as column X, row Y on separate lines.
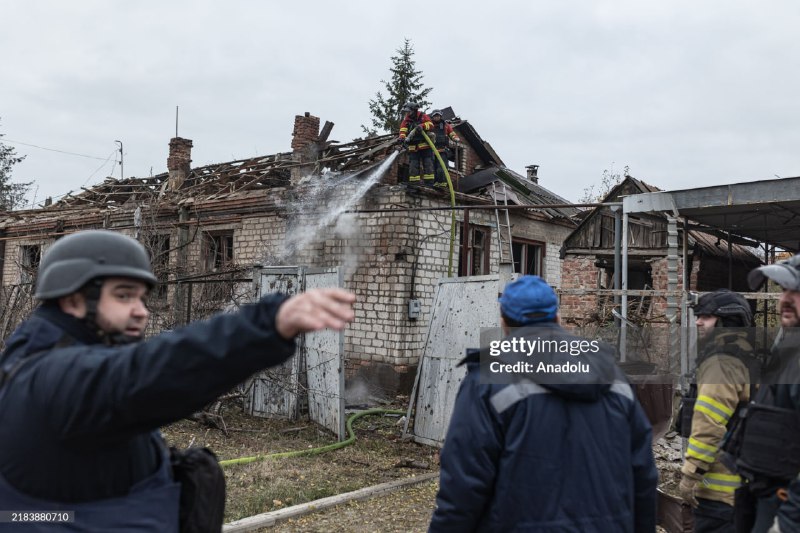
column 722, row 382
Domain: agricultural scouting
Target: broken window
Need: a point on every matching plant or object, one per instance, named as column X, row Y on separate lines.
column 474, row 259
column 640, row 278
column 158, row 249
column 30, row 256
column 218, row 257
column 528, row 256
column 218, row 251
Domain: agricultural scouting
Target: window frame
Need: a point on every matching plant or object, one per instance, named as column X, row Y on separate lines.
column 522, row 261
column 466, row 259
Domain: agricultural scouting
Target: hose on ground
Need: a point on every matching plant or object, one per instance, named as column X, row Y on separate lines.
column 351, row 438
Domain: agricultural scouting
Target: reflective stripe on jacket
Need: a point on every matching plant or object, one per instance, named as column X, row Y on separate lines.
column 722, row 382
column 417, row 141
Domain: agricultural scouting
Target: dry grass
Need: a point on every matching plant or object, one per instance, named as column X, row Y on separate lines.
column 377, row 456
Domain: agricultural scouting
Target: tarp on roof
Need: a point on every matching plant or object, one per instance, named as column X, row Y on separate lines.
column 532, row 193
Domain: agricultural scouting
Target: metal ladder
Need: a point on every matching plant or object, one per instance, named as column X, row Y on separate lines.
column 503, row 223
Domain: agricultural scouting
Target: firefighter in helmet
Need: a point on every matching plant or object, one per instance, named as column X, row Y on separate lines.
column 445, row 135
column 420, row 156
column 722, row 386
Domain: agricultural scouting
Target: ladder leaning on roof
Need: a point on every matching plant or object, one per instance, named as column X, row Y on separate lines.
column 503, row 223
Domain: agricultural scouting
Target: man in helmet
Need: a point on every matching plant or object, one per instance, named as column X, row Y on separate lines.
column 444, row 136
column 725, row 352
column 82, row 395
column 420, row 156
column 769, row 455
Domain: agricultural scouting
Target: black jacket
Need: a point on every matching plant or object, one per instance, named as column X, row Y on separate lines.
column 550, row 452
column 75, row 421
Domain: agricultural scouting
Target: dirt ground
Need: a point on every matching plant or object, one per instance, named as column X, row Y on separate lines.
column 403, row 511
column 377, row 456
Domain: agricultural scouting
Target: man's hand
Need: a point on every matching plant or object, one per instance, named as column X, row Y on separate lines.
column 315, row 310
column 688, row 489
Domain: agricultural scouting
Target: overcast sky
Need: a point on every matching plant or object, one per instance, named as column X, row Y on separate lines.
column 685, row 93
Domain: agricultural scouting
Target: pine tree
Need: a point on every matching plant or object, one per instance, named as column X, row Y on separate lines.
column 406, row 85
column 12, row 195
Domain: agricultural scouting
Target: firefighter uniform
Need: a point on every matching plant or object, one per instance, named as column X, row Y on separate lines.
column 721, row 389
column 444, row 134
column 420, row 157
column 722, row 383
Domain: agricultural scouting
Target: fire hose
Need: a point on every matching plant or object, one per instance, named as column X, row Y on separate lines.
column 315, row 451
column 452, row 196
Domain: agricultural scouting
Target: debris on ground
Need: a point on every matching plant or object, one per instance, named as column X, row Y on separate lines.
column 405, row 510
column 669, row 458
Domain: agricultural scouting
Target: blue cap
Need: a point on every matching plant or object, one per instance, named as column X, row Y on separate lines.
column 529, row 299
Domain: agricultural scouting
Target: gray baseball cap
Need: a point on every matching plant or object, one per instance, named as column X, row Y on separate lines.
column 784, row 273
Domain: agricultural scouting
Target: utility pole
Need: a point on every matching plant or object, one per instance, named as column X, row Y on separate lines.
column 121, row 161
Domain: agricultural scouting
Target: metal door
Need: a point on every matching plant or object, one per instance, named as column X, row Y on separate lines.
column 462, row 307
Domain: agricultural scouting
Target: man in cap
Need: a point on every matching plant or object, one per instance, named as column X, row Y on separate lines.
column 769, row 456
column 560, row 446
column 722, row 386
column 82, row 395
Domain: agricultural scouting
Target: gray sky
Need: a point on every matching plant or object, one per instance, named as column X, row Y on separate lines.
column 684, row 93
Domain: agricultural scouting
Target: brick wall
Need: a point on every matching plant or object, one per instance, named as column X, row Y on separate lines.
column 578, row 272
column 13, row 255
column 387, row 258
column 179, row 162
column 306, row 130
column 180, row 155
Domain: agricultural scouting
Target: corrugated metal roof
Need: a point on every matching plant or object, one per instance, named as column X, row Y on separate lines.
column 718, row 247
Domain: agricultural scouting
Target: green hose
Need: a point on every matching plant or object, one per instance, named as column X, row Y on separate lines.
column 452, row 202
column 315, row 451
column 452, row 195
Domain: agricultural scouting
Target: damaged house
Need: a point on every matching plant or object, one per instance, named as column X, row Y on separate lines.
column 715, row 261
column 324, row 204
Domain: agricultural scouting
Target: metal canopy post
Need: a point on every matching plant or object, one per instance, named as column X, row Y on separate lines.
column 623, row 327
column 672, row 288
column 616, row 209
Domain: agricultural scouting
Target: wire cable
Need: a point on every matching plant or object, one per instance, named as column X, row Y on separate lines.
column 53, row 149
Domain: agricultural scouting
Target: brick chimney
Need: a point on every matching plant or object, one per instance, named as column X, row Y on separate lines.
column 306, row 130
column 304, row 143
column 179, row 162
column 533, row 173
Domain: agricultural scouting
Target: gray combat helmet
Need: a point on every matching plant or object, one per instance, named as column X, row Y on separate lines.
column 76, row 259
column 730, row 306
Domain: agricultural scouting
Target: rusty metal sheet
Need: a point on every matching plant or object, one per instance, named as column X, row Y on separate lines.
column 674, row 515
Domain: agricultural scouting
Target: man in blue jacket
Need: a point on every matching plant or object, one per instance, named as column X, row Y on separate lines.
column 81, row 399
column 549, row 450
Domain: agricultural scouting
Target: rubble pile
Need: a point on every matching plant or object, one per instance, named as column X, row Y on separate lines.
column 669, row 457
